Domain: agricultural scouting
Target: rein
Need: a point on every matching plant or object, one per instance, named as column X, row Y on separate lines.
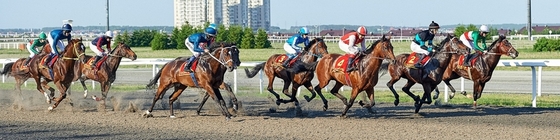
column 221, row 61
column 76, row 52
column 492, row 53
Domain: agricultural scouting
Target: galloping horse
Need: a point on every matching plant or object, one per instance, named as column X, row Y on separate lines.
column 273, row 68
column 363, row 79
column 209, row 74
column 62, row 70
column 21, row 72
column 434, row 70
column 483, row 67
column 106, row 73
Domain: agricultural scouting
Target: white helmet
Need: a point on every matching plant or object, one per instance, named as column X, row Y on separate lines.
column 109, row 34
column 484, row 28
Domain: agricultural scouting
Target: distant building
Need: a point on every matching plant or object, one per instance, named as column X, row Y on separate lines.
column 539, row 29
column 247, row 13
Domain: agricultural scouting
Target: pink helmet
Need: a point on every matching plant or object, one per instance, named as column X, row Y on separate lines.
column 362, row 30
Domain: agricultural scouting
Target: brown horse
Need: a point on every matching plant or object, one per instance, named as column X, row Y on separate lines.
column 106, row 73
column 434, row 71
column 481, row 71
column 209, row 74
column 62, row 70
column 363, row 79
column 21, row 73
column 273, row 68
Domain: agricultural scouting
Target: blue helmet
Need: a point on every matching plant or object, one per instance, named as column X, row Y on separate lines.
column 213, row 26
column 210, row 31
column 67, row 27
column 303, row 31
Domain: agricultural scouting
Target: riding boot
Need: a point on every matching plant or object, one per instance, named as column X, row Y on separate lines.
column 97, row 58
column 466, row 61
column 188, row 67
column 350, row 65
column 419, row 63
column 286, row 63
column 48, row 61
column 27, row 61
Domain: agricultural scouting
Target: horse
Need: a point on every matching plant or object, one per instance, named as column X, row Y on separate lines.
column 429, row 76
column 105, row 74
column 481, row 71
column 209, row 74
column 273, row 68
column 21, row 73
column 331, row 67
column 62, row 71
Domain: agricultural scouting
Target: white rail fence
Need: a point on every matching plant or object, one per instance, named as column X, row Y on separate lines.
column 536, row 70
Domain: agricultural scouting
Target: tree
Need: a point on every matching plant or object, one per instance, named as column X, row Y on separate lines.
column 180, row 34
column 142, row 38
column 159, row 42
column 235, row 33
column 460, row 29
column 123, row 37
column 261, row 41
column 222, row 33
column 248, row 40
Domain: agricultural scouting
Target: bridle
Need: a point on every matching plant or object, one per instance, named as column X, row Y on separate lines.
column 222, row 56
column 76, row 52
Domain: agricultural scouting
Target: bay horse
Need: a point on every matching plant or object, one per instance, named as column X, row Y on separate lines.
column 209, row 74
column 21, row 73
column 482, row 68
column 105, row 74
column 364, row 79
column 62, row 70
column 273, row 68
column 433, row 69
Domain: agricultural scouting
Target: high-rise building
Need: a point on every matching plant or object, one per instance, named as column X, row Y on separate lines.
column 247, row 13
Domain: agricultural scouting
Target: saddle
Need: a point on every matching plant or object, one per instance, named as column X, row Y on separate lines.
column 193, row 66
column 48, row 64
column 92, row 59
column 471, row 59
column 413, row 58
column 280, row 59
column 341, row 63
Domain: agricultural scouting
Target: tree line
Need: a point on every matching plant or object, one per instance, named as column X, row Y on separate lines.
column 246, row 38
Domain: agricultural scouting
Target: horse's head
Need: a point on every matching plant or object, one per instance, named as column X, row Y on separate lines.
column 227, row 54
column 317, row 47
column 452, row 44
column 123, row 50
column 382, row 49
column 74, row 49
column 501, row 46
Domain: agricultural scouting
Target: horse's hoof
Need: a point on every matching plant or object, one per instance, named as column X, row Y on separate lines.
column 361, row 103
column 85, row 94
column 343, row 116
column 50, row 108
column 464, row 93
column 48, row 101
column 435, row 96
column 278, row 102
column 228, row 118
column 307, row 98
column 396, row 102
column 172, row 117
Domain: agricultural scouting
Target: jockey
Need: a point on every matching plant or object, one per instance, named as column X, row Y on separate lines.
column 348, row 44
column 419, row 43
column 291, row 46
column 471, row 40
column 98, row 42
column 32, row 48
column 197, row 44
column 55, row 39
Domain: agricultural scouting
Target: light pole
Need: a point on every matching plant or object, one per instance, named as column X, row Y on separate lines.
column 107, row 15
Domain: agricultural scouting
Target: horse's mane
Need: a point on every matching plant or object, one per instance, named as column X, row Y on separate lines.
column 311, row 43
column 70, row 42
column 372, row 47
column 502, row 37
column 443, row 42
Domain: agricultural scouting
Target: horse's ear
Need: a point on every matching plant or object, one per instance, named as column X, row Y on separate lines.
column 383, row 37
column 502, row 36
column 80, row 38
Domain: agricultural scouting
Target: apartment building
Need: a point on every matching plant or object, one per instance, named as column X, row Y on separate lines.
column 248, row 13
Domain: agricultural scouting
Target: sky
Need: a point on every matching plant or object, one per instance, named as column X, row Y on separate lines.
column 284, row 13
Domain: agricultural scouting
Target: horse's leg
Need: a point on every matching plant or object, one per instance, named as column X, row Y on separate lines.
column 271, row 89
column 477, row 93
column 292, row 96
column 62, row 90
column 370, row 93
column 406, row 89
column 227, row 87
column 83, row 82
column 178, row 90
column 204, row 99
column 19, row 82
column 448, row 83
column 353, row 96
column 334, row 91
column 45, row 85
column 390, row 84
column 162, row 88
column 286, row 90
column 310, row 88
column 40, row 89
column 215, row 94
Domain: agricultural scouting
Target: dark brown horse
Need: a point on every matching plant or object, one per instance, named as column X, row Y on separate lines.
column 363, row 79
column 21, row 73
column 62, row 70
column 481, row 71
column 209, row 74
column 106, row 73
column 434, row 71
column 273, row 68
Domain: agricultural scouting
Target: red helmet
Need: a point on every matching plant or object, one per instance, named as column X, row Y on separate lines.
column 362, row 30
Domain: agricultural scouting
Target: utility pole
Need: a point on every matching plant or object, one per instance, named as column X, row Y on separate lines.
column 529, row 20
column 107, row 15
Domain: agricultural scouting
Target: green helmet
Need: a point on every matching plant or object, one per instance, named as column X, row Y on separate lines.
column 42, row 35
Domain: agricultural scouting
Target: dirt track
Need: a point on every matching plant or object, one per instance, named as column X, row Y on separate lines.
column 29, row 119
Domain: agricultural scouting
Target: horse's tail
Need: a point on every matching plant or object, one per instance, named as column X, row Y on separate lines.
column 7, row 68
column 152, row 83
column 383, row 68
column 256, row 69
column 303, row 67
